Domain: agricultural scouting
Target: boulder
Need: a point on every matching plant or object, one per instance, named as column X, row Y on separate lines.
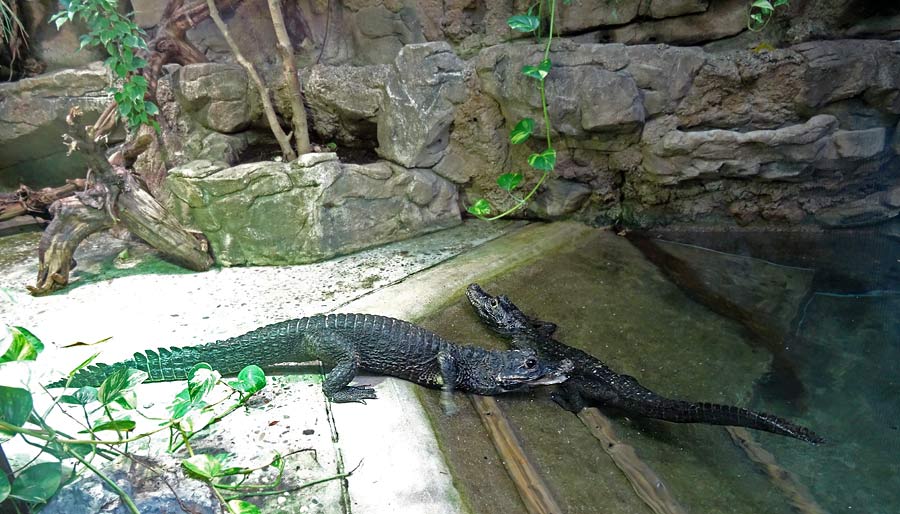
column 559, row 198
column 32, row 122
column 421, row 96
column 344, row 101
column 307, row 210
column 589, row 91
column 215, row 95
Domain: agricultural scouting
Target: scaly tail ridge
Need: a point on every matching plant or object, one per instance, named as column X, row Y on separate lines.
column 264, row 346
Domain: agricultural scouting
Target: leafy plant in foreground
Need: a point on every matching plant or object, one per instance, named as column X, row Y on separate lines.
column 108, row 409
column 122, row 40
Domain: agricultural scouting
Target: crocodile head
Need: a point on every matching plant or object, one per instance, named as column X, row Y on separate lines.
column 504, row 371
column 498, row 312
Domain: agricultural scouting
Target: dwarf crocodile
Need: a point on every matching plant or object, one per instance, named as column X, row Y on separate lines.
column 348, row 342
column 593, row 383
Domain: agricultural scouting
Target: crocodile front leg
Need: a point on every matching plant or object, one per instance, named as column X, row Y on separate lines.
column 340, row 350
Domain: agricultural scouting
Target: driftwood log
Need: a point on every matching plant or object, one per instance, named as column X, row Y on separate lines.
column 35, row 202
column 115, row 195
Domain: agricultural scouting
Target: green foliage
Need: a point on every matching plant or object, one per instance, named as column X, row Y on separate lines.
column 544, row 161
column 37, row 483
column 205, row 401
column 123, row 40
column 760, row 13
column 23, row 346
column 522, row 131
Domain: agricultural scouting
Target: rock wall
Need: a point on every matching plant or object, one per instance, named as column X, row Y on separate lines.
column 725, row 131
column 649, row 134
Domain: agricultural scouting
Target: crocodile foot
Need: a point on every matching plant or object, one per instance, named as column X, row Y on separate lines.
column 358, row 394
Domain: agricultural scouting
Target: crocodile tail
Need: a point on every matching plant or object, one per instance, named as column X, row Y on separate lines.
column 678, row 411
column 264, row 346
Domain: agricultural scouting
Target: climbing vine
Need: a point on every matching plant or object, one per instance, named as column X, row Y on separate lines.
column 545, row 161
column 123, row 41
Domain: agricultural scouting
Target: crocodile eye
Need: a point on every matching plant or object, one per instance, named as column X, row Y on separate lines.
column 530, row 363
column 494, row 303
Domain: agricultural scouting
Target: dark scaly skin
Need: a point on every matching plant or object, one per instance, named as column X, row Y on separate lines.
column 349, row 343
column 593, row 383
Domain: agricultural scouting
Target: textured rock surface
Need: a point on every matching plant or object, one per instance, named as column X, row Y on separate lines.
column 32, row 122
column 216, row 95
column 307, row 210
column 414, row 123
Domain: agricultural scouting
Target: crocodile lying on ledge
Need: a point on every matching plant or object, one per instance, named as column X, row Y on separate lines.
column 348, row 342
column 593, row 383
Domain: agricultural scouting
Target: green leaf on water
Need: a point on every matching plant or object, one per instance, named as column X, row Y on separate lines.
column 544, row 161
column 37, row 483
column 524, row 22
column 522, row 131
column 509, row 181
column 480, row 208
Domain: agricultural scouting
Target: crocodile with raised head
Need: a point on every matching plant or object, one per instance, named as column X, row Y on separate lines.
column 348, row 343
column 593, row 383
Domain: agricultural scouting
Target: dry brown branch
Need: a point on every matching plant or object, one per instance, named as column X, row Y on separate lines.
column 285, row 49
column 646, row 483
column 282, row 138
column 114, row 195
column 37, row 202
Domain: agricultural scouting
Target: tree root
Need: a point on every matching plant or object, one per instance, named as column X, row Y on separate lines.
column 35, row 201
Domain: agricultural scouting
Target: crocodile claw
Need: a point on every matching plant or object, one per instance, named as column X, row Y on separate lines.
column 358, row 394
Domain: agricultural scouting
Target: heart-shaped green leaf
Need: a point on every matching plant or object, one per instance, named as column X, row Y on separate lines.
column 524, row 23
column 25, row 346
column 82, row 396
column 480, row 208
column 15, row 406
column 203, row 380
column 37, row 483
column 544, row 161
column 204, row 466
column 522, row 131
column 509, row 181
column 120, row 381
column 253, row 377
column 538, row 72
